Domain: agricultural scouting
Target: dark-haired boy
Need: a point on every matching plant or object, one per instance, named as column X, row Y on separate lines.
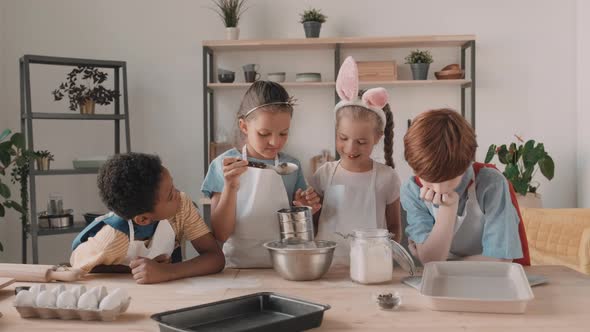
column 149, row 219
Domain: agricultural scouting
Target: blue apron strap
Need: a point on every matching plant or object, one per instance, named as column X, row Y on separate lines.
column 94, row 227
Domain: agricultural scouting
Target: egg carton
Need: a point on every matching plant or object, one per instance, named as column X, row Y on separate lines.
column 71, row 314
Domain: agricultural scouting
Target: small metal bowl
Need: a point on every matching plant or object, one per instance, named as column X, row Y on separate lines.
column 56, row 221
column 301, row 260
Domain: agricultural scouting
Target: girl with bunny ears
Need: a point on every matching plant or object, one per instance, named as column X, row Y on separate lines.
column 358, row 192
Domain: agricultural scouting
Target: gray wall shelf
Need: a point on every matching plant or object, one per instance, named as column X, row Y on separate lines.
column 27, row 117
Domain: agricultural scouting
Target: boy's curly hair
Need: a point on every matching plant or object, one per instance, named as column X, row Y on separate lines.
column 128, row 183
column 439, row 145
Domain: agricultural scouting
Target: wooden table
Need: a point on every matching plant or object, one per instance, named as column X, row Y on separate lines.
column 561, row 305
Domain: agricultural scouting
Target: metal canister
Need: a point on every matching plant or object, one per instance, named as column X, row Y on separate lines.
column 296, row 222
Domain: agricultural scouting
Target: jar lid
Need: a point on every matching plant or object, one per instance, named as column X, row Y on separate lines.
column 403, row 258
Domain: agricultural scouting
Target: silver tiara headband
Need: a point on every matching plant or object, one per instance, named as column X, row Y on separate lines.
column 290, row 103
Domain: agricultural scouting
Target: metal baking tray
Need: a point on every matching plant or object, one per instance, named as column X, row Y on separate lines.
column 263, row 311
column 493, row 287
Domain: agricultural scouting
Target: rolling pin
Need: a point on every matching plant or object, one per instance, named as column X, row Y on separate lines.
column 39, row 273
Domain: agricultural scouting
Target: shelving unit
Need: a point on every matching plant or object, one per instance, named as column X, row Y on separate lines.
column 213, row 47
column 27, row 117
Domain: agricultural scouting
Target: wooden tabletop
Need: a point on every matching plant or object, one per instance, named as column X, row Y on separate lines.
column 561, row 305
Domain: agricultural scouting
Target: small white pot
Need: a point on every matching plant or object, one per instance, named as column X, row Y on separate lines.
column 529, row 201
column 232, row 33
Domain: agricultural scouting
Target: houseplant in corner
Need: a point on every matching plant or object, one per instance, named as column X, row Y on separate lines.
column 312, row 20
column 419, row 61
column 230, row 12
column 87, row 92
column 14, row 156
column 522, row 162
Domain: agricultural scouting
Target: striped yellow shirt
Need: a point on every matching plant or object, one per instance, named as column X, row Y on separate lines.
column 109, row 246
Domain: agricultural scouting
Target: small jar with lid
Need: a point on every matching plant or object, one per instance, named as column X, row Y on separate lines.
column 371, row 258
column 372, row 255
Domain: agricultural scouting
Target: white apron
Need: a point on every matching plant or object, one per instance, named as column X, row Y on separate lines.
column 162, row 242
column 468, row 233
column 262, row 193
column 344, row 209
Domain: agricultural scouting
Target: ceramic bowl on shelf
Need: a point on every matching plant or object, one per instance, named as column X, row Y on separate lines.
column 278, row 77
column 453, row 66
column 449, row 74
column 308, row 77
column 226, row 76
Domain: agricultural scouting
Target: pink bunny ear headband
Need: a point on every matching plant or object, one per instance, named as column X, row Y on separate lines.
column 347, row 87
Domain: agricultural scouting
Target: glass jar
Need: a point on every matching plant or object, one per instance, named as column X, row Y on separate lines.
column 371, row 258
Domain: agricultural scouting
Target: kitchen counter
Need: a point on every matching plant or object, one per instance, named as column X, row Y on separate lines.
column 561, row 305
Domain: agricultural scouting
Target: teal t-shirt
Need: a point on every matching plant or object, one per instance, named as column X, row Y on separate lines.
column 500, row 234
column 214, row 183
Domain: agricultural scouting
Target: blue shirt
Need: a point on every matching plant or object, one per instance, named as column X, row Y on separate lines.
column 500, row 235
column 214, row 182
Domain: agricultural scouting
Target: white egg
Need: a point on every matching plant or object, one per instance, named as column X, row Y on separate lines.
column 99, row 291
column 110, row 302
column 58, row 290
column 78, row 290
column 36, row 289
column 88, row 301
column 66, row 300
column 46, row 299
column 25, row 298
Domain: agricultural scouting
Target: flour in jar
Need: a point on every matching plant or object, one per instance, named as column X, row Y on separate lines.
column 371, row 261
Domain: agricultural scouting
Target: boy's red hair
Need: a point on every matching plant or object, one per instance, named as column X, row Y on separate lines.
column 439, row 145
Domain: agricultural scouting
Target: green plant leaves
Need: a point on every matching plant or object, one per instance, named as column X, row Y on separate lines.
column 418, row 56
column 4, row 134
column 547, row 167
column 4, row 190
column 18, row 140
column 15, row 205
column 521, row 162
column 491, row 153
column 511, row 171
column 5, row 158
column 502, row 153
column 521, row 186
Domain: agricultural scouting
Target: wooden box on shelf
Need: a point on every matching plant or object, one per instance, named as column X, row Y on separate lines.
column 371, row 71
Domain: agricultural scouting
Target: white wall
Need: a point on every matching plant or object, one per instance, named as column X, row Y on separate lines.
column 583, row 106
column 517, row 43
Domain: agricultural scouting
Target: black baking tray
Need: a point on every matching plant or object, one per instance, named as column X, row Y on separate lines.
column 265, row 311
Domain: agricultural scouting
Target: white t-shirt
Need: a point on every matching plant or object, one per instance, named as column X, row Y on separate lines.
column 387, row 183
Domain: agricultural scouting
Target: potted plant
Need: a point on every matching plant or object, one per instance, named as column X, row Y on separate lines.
column 522, row 162
column 14, row 155
column 43, row 159
column 88, row 93
column 312, row 20
column 230, row 12
column 419, row 61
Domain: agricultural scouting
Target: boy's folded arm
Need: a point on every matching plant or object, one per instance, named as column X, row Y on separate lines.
column 432, row 239
column 210, row 260
column 107, row 247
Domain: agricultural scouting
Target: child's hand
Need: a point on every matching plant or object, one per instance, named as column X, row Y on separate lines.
column 448, row 199
column 308, row 198
column 232, row 169
column 149, row 271
column 163, row 258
